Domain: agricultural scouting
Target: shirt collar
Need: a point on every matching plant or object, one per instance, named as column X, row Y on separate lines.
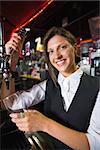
column 76, row 75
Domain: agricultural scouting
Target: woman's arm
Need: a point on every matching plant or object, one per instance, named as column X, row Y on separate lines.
column 35, row 121
column 74, row 139
column 93, row 132
column 30, row 97
column 12, row 48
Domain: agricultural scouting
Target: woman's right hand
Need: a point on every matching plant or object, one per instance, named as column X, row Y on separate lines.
column 13, row 48
column 14, row 44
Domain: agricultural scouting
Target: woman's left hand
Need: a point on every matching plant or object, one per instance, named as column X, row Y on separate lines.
column 32, row 121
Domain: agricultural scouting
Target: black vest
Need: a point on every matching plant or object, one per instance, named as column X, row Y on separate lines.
column 78, row 115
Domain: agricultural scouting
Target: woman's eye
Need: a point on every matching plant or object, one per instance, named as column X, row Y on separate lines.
column 50, row 51
column 64, row 46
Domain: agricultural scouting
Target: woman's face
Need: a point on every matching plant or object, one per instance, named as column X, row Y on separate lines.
column 61, row 54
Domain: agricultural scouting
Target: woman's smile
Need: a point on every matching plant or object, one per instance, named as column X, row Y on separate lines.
column 60, row 62
column 61, row 54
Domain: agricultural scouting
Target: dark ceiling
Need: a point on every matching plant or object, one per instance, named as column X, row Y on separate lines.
column 15, row 13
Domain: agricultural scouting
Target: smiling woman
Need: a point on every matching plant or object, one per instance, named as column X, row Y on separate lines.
column 61, row 54
column 63, row 93
column 70, row 98
column 61, row 51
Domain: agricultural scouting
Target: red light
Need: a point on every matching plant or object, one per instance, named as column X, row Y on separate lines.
column 48, row 2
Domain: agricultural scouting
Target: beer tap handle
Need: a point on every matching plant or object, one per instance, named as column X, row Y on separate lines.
column 14, row 56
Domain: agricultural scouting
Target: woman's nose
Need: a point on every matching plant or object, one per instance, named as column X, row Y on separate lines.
column 58, row 54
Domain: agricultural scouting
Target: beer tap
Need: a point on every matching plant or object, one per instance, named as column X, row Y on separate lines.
column 5, row 66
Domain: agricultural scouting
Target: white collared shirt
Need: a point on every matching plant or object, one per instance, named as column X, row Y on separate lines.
column 69, row 86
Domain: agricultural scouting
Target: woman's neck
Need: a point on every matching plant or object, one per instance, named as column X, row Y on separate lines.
column 70, row 71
